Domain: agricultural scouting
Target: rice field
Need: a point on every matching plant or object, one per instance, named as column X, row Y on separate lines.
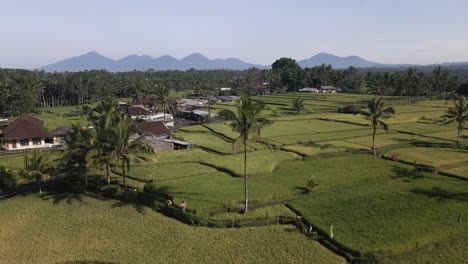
column 392, row 210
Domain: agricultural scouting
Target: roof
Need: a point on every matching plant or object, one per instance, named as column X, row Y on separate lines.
column 175, row 141
column 137, row 110
column 145, row 100
column 203, row 113
column 60, row 132
column 157, row 128
column 308, row 89
column 25, row 127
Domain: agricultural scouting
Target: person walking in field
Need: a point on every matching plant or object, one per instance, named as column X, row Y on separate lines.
column 183, row 205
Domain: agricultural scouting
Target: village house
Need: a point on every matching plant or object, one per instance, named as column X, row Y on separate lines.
column 24, row 133
column 136, row 111
column 158, row 136
column 167, row 118
column 309, row 90
column 58, row 136
column 328, row 89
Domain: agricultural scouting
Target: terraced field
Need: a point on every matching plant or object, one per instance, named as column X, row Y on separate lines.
column 394, row 211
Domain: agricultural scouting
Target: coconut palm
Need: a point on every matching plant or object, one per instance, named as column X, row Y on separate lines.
column 376, row 111
column 298, row 105
column 247, row 122
column 39, row 168
column 79, row 146
column 127, row 150
column 459, row 114
column 104, row 144
column 163, row 96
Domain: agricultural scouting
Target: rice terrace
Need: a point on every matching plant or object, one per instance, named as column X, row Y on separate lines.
column 195, row 160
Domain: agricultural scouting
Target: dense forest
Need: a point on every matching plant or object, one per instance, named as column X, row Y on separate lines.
column 22, row 90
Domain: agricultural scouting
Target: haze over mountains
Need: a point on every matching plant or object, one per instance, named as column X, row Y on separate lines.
column 95, row 61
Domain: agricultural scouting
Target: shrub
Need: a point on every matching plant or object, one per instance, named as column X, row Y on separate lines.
column 7, row 179
column 349, row 109
column 311, row 184
column 112, row 190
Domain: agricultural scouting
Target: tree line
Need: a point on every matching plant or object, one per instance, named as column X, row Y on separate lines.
column 23, row 90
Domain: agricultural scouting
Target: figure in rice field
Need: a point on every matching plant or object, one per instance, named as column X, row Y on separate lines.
column 183, row 205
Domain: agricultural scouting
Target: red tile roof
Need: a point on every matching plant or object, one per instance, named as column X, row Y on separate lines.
column 157, row 128
column 25, row 127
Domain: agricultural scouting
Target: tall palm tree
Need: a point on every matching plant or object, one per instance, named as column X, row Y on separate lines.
column 104, row 145
column 127, row 150
column 246, row 121
column 376, row 111
column 163, row 96
column 298, row 105
column 39, row 168
column 459, row 114
column 79, row 146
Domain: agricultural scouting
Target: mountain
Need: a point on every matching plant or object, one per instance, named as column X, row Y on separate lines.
column 338, row 62
column 90, row 60
column 95, row 61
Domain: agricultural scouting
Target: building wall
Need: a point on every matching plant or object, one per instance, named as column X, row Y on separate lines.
column 29, row 146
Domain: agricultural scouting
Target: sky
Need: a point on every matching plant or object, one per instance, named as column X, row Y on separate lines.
column 36, row 33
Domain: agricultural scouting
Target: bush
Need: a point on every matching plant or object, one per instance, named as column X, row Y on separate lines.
column 7, row 179
column 311, row 184
column 113, row 191
column 349, row 109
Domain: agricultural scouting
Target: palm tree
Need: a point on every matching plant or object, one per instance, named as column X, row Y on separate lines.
column 39, row 168
column 79, row 147
column 127, row 150
column 163, row 95
column 105, row 139
column 298, row 104
column 247, row 122
column 376, row 111
column 459, row 114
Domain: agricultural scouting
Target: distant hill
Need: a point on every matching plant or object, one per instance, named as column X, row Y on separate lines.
column 338, row 62
column 95, row 61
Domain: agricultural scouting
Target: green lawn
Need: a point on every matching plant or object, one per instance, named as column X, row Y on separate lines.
column 78, row 229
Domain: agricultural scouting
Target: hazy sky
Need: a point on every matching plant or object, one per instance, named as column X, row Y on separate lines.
column 35, row 33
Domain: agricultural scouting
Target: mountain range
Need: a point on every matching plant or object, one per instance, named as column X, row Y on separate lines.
column 95, row 61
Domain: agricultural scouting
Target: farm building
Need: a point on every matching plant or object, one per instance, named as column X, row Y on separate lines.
column 168, row 118
column 58, row 136
column 328, row 89
column 24, row 132
column 309, row 90
column 137, row 111
column 158, row 136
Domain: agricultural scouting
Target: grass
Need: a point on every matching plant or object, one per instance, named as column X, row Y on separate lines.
column 56, row 117
column 390, row 214
column 78, row 229
column 375, row 205
column 438, row 157
column 460, row 171
column 260, row 162
column 214, row 191
column 169, row 171
column 313, row 149
column 279, row 210
column 451, row 251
